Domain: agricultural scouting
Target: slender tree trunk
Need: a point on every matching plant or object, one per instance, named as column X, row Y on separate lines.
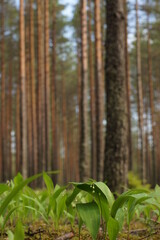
column 84, row 141
column 29, row 100
column 55, row 160
column 3, row 112
column 116, row 138
column 65, row 139
column 23, row 90
column 41, row 125
column 140, row 100
column 99, row 92
column 47, row 84
column 33, row 90
column 154, row 173
column 92, row 94
column 128, row 91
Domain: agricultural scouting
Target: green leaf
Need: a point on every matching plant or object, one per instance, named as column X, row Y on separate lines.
column 19, row 232
column 10, row 235
column 17, row 188
column 113, row 228
column 90, row 215
column 106, row 191
column 71, row 198
column 3, row 188
column 48, row 182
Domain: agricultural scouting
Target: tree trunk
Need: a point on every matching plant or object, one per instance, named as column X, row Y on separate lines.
column 23, row 90
column 92, row 94
column 128, row 91
column 33, row 90
column 116, row 138
column 84, row 141
column 47, row 85
column 99, row 93
column 140, row 100
column 54, row 160
column 154, row 167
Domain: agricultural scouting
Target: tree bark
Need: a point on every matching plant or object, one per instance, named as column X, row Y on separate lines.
column 33, row 90
column 47, row 85
column 154, row 167
column 128, row 91
column 23, row 90
column 92, row 94
column 140, row 100
column 116, row 137
column 99, row 92
column 85, row 171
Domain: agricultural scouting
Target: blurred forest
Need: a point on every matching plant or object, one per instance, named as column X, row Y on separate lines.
column 56, row 101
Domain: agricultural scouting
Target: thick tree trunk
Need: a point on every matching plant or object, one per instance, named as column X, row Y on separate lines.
column 140, row 100
column 99, row 93
column 92, row 94
column 85, row 171
column 116, row 139
column 23, row 90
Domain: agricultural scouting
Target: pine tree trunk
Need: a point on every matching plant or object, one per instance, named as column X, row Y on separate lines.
column 54, row 160
column 85, row 171
column 140, row 100
column 92, row 94
column 116, row 137
column 3, row 112
column 23, row 90
column 99, row 93
column 47, row 84
column 33, row 90
column 128, row 91
column 154, row 167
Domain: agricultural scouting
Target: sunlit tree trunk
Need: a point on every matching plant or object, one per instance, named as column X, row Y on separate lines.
column 18, row 129
column 84, row 141
column 140, row 99
column 92, row 94
column 33, row 90
column 116, row 136
column 128, row 91
column 99, row 92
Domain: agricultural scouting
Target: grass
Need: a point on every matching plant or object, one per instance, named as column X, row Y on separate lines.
column 79, row 211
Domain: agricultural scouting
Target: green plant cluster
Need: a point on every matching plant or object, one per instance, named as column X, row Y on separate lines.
column 92, row 203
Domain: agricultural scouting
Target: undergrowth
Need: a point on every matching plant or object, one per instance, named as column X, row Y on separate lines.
column 89, row 204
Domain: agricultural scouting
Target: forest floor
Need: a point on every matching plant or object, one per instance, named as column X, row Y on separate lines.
column 42, row 231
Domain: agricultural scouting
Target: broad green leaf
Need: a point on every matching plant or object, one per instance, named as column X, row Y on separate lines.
column 113, row 228
column 120, row 217
column 19, row 231
column 10, row 235
column 90, row 215
column 106, row 191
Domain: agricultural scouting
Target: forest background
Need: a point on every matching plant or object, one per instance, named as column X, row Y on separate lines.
column 51, row 123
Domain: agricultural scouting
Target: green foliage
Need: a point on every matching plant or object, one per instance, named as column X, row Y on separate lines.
column 92, row 202
column 90, row 215
column 135, row 182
